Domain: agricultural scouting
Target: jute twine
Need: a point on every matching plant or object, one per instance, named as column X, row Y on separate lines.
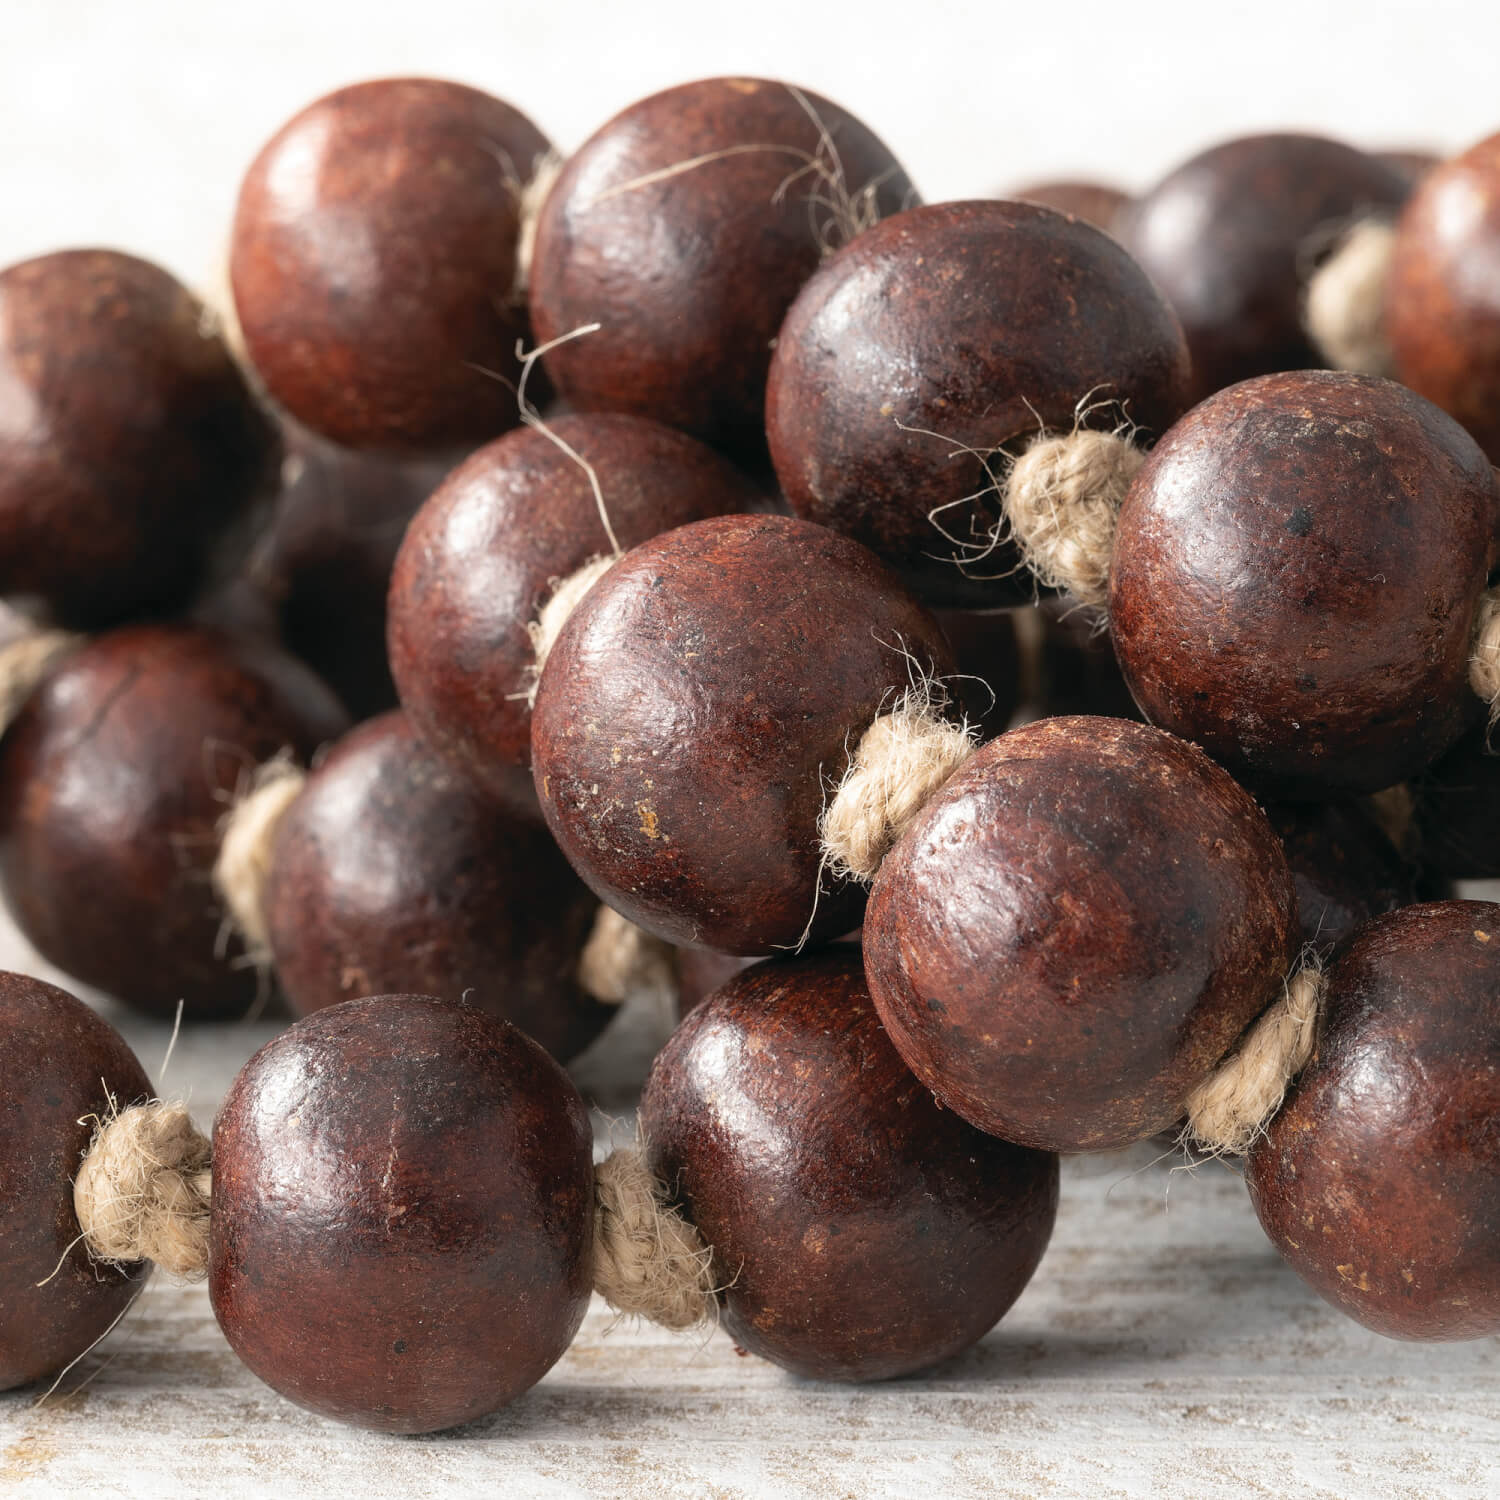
column 1232, row 1107
column 142, row 1192
column 24, row 662
column 901, row 760
column 246, row 839
column 530, row 196
column 1062, row 498
column 1484, row 657
column 648, row 1260
column 1344, row 307
column 621, row 962
column 567, row 594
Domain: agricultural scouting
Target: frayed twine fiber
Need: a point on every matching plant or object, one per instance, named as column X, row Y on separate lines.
column 246, row 838
column 1062, row 497
column 1344, row 308
column 1233, row 1106
column 901, row 760
column 530, row 196
column 648, row 1260
column 1395, row 810
column 142, row 1192
column 621, row 961
column 24, row 662
column 1484, row 658
column 567, row 594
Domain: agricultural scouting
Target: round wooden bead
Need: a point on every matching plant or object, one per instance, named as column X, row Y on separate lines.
column 1074, row 931
column 1296, row 576
column 1440, row 311
column 684, row 227
column 402, row 1224
column 373, row 262
column 1230, row 236
column 66, row 1065
column 1456, row 810
column 129, row 442
column 113, row 779
column 487, row 550
column 938, row 337
column 391, row 874
column 695, row 708
column 1379, row 1179
column 872, row 1233
column 1095, row 203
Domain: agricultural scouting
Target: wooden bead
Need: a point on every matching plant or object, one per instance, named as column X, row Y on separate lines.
column 872, row 1233
column 113, row 780
column 1074, row 931
column 1096, row 203
column 1456, row 810
column 1379, row 1179
column 402, row 1224
column 694, row 710
column 65, row 1064
column 485, row 553
column 684, row 227
column 1296, row 576
column 961, row 326
column 129, row 442
column 390, row 874
column 373, row 262
column 1230, row 235
column 1440, row 312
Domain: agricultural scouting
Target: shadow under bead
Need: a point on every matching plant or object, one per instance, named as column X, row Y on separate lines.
column 859, row 1230
column 685, row 226
column 1455, row 820
column 374, row 263
column 114, row 777
column 391, row 874
column 1379, row 1178
column 1074, row 931
column 403, row 1204
column 66, row 1066
column 938, row 337
column 1296, row 577
column 130, row 445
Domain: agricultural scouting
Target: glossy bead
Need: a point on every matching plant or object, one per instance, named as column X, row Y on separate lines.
column 1230, row 235
column 871, row 1233
column 485, row 552
column 373, row 262
column 684, row 227
column 1095, row 203
column 1296, row 576
column 1075, row 929
column 129, row 442
column 390, row 874
column 402, row 1224
column 1379, row 1179
column 113, row 780
column 693, row 711
column 934, row 339
column 65, row 1066
column 1441, row 314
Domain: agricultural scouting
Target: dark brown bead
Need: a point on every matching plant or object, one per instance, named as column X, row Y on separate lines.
column 64, row 1065
column 1440, row 311
column 988, row 681
column 1456, row 810
column 684, row 227
column 859, row 1230
column 694, row 710
column 1095, row 203
column 129, row 441
column 1379, row 1179
column 701, row 972
column 403, row 1201
column 373, row 262
column 487, row 549
column 936, row 338
column 1073, row 932
column 324, row 563
column 113, row 779
column 1345, row 869
column 1296, row 577
column 391, row 874
column 1231, row 235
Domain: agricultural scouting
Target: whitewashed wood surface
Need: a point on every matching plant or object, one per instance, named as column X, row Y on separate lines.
column 1163, row 1352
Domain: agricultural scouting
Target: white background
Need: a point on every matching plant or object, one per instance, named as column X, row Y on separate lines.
column 129, row 122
